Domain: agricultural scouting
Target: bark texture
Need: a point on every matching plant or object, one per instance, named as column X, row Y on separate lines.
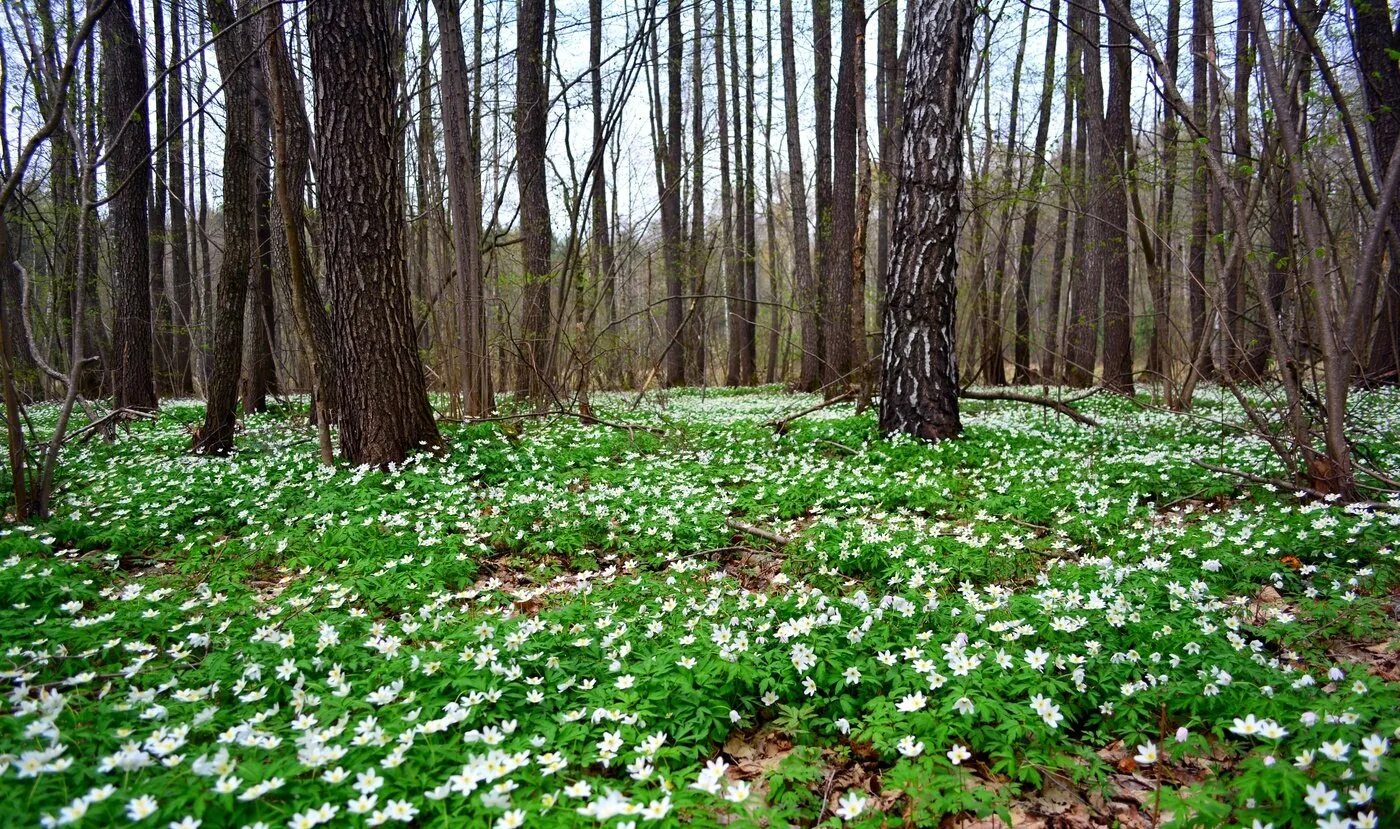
column 385, row 413
column 919, row 385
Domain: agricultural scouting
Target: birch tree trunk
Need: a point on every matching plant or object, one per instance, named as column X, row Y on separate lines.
column 919, row 384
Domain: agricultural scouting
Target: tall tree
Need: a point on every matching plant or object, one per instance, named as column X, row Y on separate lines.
column 806, row 293
column 1021, row 352
column 841, row 243
column 698, row 247
column 160, row 305
column 259, row 372
column 534, row 370
column 1113, row 240
column 181, row 381
column 919, row 383
column 291, row 149
column 1376, row 42
column 232, row 50
column 128, row 183
column 822, row 187
column 384, row 410
column 462, row 190
column 604, row 270
column 1086, row 280
column 671, row 227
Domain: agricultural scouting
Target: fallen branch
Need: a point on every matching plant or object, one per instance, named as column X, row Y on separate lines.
column 1049, row 403
column 1300, row 490
column 781, row 424
column 768, row 535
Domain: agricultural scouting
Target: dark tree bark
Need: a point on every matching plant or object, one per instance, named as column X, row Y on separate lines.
column 384, row 410
column 919, row 384
column 534, row 369
column 838, row 271
column 259, row 373
column 232, row 50
column 696, row 335
column 889, row 86
column 1113, row 238
column 1376, row 42
column 750, row 213
column 291, row 144
column 1021, row 353
column 1162, row 278
column 160, row 304
column 1201, row 22
column 671, row 230
column 809, row 378
column 181, row 381
column 602, row 235
column 821, row 102
column 733, row 306
column 1070, row 168
column 129, row 181
column 462, row 188
column 1086, row 278
column 993, row 357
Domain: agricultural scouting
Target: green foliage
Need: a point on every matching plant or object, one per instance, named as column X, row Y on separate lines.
column 552, row 623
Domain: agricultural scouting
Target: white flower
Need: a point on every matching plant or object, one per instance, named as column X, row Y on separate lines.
column 141, row 808
column 958, row 753
column 1147, row 753
column 851, row 804
column 912, row 702
column 910, row 747
column 737, row 792
column 1322, row 799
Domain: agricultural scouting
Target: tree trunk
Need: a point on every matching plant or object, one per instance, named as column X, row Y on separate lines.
column 919, row 384
column 840, row 244
column 1021, row 354
column 821, row 101
column 128, row 185
column 1069, row 172
column 1201, row 22
column 160, row 301
column 462, row 188
column 259, row 374
column 670, row 197
column 291, row 153
column 1376, row 42
column 180, row 277
column 809, row 378
column 1086, row 278
column 534, row 369
column 385, row 413
column 1113, row 233
column 232, row 50
column 696, row 337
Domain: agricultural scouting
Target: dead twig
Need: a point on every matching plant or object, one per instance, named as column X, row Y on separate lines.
column 1036, row 400
column 781, row 424
column 759, row 532
column 1294, row 488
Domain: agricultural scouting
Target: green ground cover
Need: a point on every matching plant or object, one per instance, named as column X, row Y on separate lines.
column 551, row 624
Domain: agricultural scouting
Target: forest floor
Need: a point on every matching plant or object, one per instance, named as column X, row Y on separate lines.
column 564, row 625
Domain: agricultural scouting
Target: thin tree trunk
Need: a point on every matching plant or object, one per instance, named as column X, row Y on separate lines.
column 180, row 276
column 670, row 196
column 1021, row 355
column 821, row 102
column 809, row 378
column 232, row 51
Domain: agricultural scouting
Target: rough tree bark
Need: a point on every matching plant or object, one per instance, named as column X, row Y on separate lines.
column 671, row 229
column 462, row 174
column 1376, row 42
column 384, row 410
column 534, row 370
column 1113, row 228
column 837, row 269
column 1021, row 353
column 128, row 183
column 919, row 384
column 231, row 50
column 181, row 381
column 809, row 378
